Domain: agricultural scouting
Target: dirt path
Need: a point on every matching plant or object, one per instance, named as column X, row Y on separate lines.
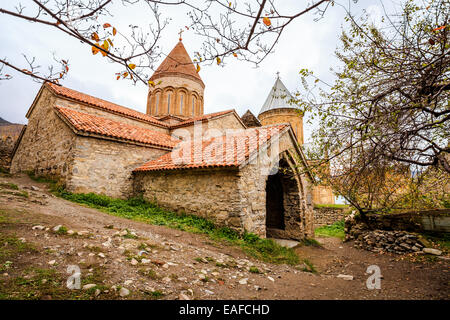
column 180, row 265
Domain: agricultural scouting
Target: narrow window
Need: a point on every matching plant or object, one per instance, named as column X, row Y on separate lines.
column 149, row 108
column 157, row 104
column 168, row 103
column 181, row 104
column 193, row 105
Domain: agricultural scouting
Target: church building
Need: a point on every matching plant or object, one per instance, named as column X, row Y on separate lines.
column 249, row 178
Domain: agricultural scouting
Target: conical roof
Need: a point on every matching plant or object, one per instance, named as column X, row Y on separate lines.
column 177, row 63
column 279, row 97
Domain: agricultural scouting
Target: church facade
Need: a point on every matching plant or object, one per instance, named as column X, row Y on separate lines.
column 249, row 178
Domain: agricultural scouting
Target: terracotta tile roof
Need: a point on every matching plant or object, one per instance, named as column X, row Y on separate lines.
column 177, row 62
column 102, row 104
column 105, row 127
column 205, row 117
column 233, row 150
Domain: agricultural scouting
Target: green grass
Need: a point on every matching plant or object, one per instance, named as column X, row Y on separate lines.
column 335, row 206
column 309, row 267
column 441, row 240
column 141, row 210
column 334, row 230
column 9, row 185
column 11, row 246
column 254, row 269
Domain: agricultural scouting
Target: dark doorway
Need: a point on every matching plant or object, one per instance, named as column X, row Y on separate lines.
column 274, row 202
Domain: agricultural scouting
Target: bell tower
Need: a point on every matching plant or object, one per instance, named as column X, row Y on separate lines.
column 178, row 89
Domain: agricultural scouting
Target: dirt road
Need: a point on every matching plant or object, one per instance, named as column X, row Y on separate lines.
column 125, row 259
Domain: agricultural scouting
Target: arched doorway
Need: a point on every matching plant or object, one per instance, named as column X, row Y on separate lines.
column 283, row 203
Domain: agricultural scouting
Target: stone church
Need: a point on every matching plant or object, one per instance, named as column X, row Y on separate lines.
column 245, row 173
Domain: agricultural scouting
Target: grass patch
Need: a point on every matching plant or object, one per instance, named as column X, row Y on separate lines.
column 254, row 269
column 10, row 246
column 9, row 185
column 155, row 294
column 141, row 210
column 334, row 230
column 440, row 240
column 309, row 267
column 23, row 193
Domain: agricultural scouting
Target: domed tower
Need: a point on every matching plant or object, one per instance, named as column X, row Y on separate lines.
column 278, row 109
column 178, row 89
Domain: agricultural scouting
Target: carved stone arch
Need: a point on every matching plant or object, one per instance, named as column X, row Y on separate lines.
column 285, row 212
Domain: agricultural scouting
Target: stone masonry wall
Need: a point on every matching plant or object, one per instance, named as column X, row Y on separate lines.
column 210, row 194
column 252, row 188
column 211, row 128
column 105, row 167
column 46, row 147
column 326, row 216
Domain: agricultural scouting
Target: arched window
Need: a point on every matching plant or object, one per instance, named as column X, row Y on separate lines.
column 157, row 103
column 168, row 103
column 149, row 104
column 181, row 103
column 193, row 105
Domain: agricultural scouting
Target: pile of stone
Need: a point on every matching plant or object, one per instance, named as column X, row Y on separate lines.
column 399, row 242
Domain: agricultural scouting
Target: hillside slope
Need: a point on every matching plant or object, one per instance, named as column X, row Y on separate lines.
column 155, row 262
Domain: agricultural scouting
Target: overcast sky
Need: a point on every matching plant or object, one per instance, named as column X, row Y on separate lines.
column 239, row 85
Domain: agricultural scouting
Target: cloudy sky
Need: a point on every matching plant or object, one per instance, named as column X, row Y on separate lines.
column 239, row 85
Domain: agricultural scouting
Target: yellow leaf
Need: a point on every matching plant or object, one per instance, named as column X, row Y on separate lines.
column 151, row 83
column 198, row 68
column 106, row 45
column 159, row 82
column 218, row 60
column 118, row 77
column 267, row 21
column 114, row 31
column 95, row 37
column 234, row 54
column 131, row 66
column 106, row 25
column 110, row 42
column 125, row 74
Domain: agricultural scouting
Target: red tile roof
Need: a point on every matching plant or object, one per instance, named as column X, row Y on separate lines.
column 234, row 149
column 105, row 127
column 177, row 62
column 102, row 104
column 202, row 118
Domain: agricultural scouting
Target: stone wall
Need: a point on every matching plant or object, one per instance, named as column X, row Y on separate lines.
column 322, row 195
column 233, row 198
column 8, row 138
column 284, row 115
column 105, row 167
column 324, row 216
column 46, row 147
column 210, row 194
column 214, row 127
column 417, row 221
